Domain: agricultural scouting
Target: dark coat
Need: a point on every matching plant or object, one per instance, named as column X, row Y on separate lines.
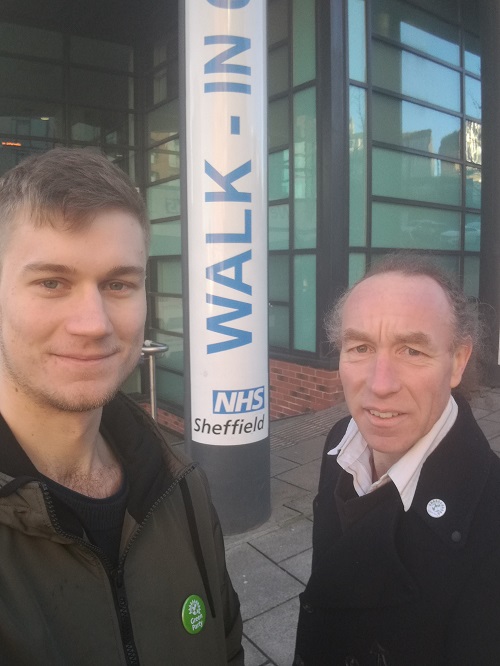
column 396, row 588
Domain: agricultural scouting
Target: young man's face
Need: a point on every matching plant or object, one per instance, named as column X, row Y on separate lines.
column 72, row 311
column 396, row 363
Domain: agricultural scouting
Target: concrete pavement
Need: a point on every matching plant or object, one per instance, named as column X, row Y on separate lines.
column 270, row 565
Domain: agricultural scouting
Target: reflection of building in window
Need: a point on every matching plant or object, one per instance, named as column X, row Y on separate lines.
column 473, row 142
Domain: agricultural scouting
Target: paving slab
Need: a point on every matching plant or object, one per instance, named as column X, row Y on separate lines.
column 490, row 416
column 304, row 452
column 303, row 505
column 487, row 400
column 289, row 540
column 281, row 490
column 299, row 565
column 261, row 585
column 490, row 428
column 305, row 476
column 280, row 465
column 253, row 656
column 274, row 632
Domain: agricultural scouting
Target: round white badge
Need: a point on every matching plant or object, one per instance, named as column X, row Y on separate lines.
column 436, row 508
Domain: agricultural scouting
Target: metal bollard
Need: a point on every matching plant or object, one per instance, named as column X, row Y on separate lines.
column 151, row 350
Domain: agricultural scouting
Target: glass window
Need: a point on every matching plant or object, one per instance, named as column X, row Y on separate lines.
column 124, row 159
column 409, row 25
column 92, row 125
column 277, row 70
column 24, row 40
column 277, row 21
column 304, row 137
column 473, row 141
column 279, row 327
column 304, row 41
column 97, row 53
column 170, row 386
column 163, row 122
column 278, row 167
column 167, row 278
column 357, row 166
column 472, row 232
column 31, row 79
column 411, row 75
column 472, row 187
column 278, row 278
column 472, row 54
column 357, row 40
column 164, row 200
column 167, row 313
column 164, row 161
column 165, row 238
column 471, row 276
column 31, row 118
column 173, row 359
column 357, row 267
column 416, row 227
column 304, row 293
column 99, row 88
column 415, row 126
column 404, row 176
column 277, row 123
column 14, row 151
column 279, row 227
column 472, row 97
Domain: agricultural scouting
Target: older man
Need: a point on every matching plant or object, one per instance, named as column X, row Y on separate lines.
column 406, row 543
column 110, row 550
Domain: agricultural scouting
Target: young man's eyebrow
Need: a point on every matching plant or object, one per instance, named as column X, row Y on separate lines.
column 63, row 269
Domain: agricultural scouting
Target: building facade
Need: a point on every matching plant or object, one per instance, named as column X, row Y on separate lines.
column 381, row 136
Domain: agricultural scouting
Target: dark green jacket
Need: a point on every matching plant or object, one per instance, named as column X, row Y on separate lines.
column 61, row 602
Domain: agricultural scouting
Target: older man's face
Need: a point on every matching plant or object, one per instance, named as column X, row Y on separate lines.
column 396, row 363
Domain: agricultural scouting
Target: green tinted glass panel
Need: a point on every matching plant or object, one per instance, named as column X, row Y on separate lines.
column 277, row 21
column 415, row 126
column 279, row 278
column 169, row 276
column 124, row 159
column 173, row 359
column 97, row 53
column 357, row 267
column 31, row 79
column 472, row 97
column 279, row 227
column 448, row 263
column 472, row 54
column 162, row 123
column 357, row 40
column 164, row 161
column 25, row 40
column 397, row 226
column 304, row 124
column 304, row 298
column 164, row 200
column 473, row 152
column 472, row 187
column 100, row 89
column 12, row 155
column 471, row 276
column 167, row 313
column 277, row 123
column 472, row 232
column 304, row 41
column 406, row 24
column 31, row 118
column 279, row 333
column 90, row 125
column 411, row 75
column 277, row 70
column 279, row 174
column 404, row 176
column 165, row 238
column 357, row 166
column 170, row 386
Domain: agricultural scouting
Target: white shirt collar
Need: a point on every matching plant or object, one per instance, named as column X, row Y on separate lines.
column 354, row 456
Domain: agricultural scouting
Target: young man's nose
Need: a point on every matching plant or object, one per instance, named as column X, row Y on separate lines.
column 89, row 314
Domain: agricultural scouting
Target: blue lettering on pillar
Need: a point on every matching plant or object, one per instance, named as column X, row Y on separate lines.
column 218, row 64
column 216, row 324
column 215, row 272
column 230, row 193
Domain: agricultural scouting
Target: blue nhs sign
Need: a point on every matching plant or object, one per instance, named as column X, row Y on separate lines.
column 238, row 402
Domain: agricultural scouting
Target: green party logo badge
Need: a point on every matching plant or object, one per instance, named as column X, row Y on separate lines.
column 193, row 614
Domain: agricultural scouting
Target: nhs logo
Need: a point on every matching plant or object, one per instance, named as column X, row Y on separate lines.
column 237, row 402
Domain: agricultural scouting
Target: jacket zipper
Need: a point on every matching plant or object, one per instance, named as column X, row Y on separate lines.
column 115, row 576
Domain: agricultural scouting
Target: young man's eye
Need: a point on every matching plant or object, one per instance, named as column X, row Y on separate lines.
column 116, row 286
column 50, row 284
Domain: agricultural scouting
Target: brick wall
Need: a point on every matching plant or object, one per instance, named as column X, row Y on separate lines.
column 294, row 389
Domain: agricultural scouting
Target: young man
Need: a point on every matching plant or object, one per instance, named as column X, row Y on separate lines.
column 406, row 539
column 110, row 550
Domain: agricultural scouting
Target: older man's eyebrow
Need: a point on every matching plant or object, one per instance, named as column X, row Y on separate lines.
column 351, row 334
column 414, row 338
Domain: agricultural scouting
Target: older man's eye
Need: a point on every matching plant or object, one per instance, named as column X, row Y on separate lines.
column 361, row 349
